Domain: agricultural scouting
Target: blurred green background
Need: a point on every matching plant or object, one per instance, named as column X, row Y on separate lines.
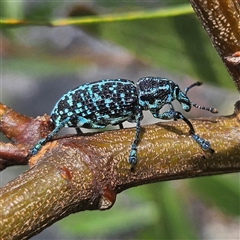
column 39, row 64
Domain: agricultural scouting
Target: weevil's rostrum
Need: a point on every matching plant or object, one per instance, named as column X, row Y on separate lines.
column 113, row 101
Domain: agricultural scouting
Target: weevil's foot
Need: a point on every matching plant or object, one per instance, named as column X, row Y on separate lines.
column 132, row 159
column 79, row 131
column 31, row 152
column 132, row 168
column 28, row 156
column 205, row 145
column 211, row 150
column 36, row 148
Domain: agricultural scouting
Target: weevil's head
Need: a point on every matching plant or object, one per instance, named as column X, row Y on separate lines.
column 155, row 92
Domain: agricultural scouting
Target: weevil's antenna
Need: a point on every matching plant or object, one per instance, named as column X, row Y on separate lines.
column 191, row 86
column 212, row 110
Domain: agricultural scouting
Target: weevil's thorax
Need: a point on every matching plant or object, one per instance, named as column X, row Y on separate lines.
column 155, row 92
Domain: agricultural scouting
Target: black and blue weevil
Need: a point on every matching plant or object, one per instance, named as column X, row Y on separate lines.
column 114, row 101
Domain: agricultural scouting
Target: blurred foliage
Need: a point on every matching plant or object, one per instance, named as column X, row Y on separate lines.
column 219, row 191
column 164, row 210
column 177, row 44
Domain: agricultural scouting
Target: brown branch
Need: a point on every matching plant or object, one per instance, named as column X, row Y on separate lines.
column 23, row 131
column 221, row 20
column 86, row 172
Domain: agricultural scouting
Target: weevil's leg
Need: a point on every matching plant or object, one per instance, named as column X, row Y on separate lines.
column 43, row 141
column 205, row 145
column 133, row 150
column 79, row 131
column 87, row 123
column 75, row 118
column 120, row 126
column 172, row 108
column 171, row 114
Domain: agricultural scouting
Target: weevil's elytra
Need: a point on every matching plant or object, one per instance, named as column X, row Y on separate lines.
column 114, row 101
column 97, row 105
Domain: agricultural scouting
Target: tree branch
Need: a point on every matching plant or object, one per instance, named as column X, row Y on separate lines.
column 80, row 173
column 221, row 20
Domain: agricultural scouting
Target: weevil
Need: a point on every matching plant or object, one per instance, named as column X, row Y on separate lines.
column 114, row 101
